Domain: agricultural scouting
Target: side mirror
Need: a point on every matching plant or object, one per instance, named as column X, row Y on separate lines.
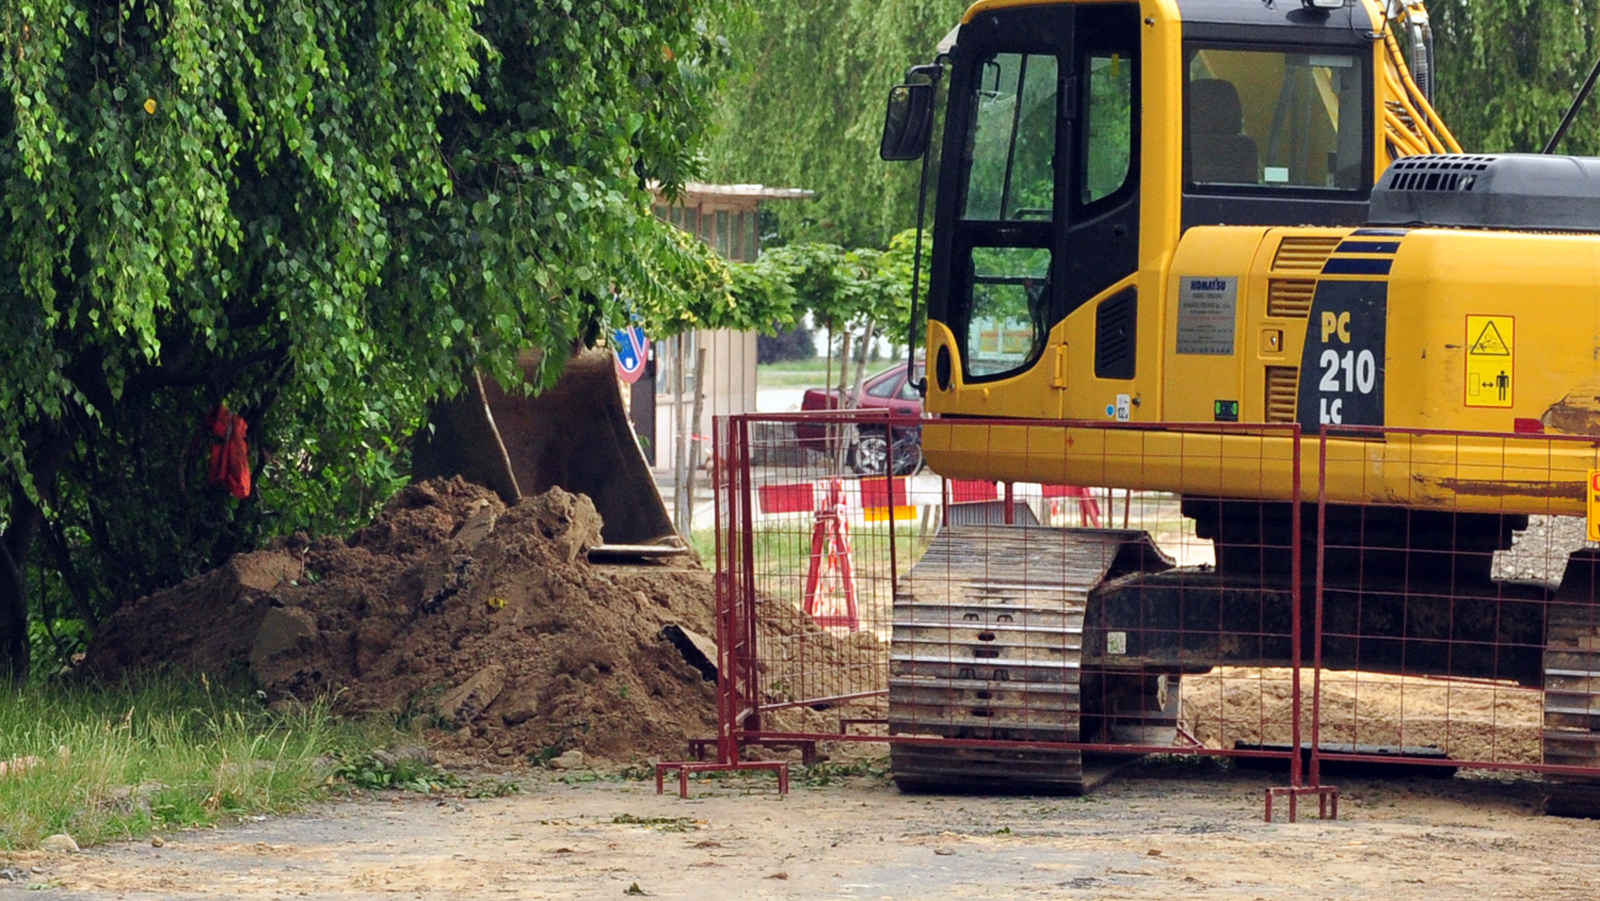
column 908, row 123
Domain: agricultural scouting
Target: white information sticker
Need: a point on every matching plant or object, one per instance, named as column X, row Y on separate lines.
column 1206, row 314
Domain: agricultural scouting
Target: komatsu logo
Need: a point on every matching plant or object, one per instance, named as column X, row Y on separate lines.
column 1208, row 284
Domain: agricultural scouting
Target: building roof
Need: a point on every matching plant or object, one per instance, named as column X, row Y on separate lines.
column 753, row 192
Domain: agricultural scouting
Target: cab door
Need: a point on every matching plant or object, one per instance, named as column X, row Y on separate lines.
column 1038, row 211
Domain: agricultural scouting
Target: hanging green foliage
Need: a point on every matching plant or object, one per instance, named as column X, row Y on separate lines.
column 321, row 212
column 805, row 109
column 1508, row 70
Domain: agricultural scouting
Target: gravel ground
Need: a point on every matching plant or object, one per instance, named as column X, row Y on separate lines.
column 1539, row 553
column 1191, row 830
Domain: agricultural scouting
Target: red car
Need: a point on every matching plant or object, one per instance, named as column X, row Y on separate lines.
column 887, row 390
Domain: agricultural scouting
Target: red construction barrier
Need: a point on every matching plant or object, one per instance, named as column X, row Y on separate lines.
column 968, row 491
column 792, row 648
column 791, row 498
column 831, row 580
column 1088, row 507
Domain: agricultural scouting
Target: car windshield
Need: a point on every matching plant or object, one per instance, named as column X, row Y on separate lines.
column 892, row 383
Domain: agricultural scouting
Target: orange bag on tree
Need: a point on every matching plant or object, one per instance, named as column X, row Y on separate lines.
column 230, row 456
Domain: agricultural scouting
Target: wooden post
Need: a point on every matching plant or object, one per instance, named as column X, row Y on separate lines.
column 694, row 442
column 680, row 449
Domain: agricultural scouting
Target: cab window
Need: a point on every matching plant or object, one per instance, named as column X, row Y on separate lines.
column 1108, row 131
column 1013, row 138
column 1274, row 120
column 1009, row 307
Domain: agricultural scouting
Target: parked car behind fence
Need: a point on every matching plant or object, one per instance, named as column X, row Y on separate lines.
column 870, row 448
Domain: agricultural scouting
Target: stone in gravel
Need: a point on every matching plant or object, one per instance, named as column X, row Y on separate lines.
column 125, row 799
column 463, row 704
column 569, row 760
column 157, row 842
column 60, row 842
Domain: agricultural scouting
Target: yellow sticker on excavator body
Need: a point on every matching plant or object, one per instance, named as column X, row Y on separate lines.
column 1593, row 497
column 1491, row 352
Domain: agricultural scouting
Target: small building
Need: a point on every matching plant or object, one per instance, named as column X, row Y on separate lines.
column 727, row 217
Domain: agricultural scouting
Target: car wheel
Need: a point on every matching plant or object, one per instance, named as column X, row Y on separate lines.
column 907, row 454
column 870, row 454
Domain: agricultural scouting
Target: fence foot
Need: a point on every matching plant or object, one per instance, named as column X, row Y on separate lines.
column 685, row 767
column 1327, row 800
column 807, row 747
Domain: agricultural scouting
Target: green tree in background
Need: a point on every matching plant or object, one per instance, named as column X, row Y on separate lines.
column 1508, row 70
column 321, row 213
column 805, row 105
column 843, row 290
column 805, row 109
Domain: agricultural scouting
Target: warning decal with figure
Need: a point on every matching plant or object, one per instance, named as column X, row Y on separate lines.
column 1491, row 344
column 1593, row 496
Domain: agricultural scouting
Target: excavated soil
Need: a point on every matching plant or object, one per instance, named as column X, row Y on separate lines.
column 1467, row 720
column 489, row 623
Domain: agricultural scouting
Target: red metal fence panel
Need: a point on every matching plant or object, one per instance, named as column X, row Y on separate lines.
column 1082, row 589
column 1476, row 647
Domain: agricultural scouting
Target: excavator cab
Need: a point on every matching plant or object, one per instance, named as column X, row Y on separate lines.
column 1082, row 139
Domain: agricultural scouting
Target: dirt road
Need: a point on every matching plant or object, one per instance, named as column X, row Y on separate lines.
column 1182, row 830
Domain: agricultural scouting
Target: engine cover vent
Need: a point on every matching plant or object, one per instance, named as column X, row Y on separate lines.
column 1304, row 253
column 1116, row 325
column 1283, row 391
column 1512, row 191
column 1437, row 173
column 1290, row 297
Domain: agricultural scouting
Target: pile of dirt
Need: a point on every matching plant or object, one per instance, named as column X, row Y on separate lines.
column 1467, row 720
column 488, row 621
column 803, row 661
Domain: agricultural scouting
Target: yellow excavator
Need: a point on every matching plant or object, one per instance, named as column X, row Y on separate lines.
column 1201, row 212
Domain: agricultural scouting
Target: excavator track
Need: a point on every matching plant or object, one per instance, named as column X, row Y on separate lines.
column 1572, row 706
column 1572, row 687
column 988, row 644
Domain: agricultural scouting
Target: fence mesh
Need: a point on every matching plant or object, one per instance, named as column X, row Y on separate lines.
column 1012, row 633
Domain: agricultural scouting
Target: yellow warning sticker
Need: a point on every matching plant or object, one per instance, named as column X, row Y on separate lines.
column 1491, row 349
column 1593, row 494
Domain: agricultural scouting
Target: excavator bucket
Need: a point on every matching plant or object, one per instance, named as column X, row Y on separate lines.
column 575, row 435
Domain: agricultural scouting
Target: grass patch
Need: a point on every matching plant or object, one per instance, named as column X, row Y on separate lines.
column 160, row 753
column 807, row 373
column 818, row 775
column 363, row 769
column 812, row 373
column 664, row 824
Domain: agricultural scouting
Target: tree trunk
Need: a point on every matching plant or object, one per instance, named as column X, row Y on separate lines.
column 14, row 649
column 48, row 449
